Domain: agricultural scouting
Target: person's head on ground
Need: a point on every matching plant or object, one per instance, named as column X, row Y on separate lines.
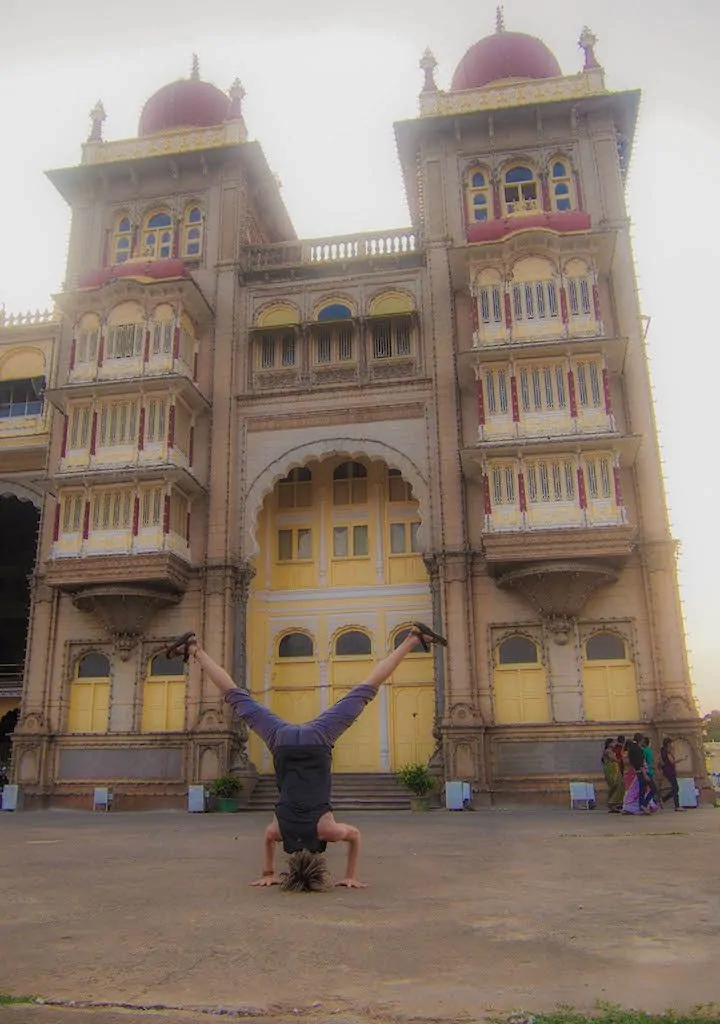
column 307, row 872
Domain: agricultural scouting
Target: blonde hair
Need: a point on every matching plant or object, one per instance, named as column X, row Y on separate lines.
column 307, row 872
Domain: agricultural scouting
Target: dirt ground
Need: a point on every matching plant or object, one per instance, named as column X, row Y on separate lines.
column 467, row 915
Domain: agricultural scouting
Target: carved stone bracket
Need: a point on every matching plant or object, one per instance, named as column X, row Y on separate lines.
column 123, row 610
column 558, row 590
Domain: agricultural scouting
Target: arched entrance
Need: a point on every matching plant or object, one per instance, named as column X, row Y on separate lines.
column 338, row 573
column 19, row 520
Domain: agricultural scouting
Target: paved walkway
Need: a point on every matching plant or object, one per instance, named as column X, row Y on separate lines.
column 468, row 914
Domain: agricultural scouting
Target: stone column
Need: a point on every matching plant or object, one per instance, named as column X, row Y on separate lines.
column 241, row 765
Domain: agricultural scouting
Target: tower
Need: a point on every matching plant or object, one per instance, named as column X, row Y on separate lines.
column 556, row 534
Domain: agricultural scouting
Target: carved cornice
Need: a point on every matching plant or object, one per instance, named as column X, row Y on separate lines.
column 123, row 610
column 613, row 544
column 163, row 569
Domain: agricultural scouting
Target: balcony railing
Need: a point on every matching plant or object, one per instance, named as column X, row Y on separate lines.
column 29, row 319
column 338, row 249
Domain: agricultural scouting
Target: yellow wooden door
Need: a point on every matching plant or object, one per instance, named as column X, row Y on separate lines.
column 412, row 713
column 520, row 694
column 295, row 704
column 610, row 691
column 89, row 705
column 357, row 750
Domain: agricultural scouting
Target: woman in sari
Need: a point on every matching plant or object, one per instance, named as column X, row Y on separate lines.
column 631, row 800
column 613, row 778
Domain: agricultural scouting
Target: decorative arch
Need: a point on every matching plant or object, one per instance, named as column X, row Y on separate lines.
column 9, row 488
column 22, row 363
column 126, row 313
column 349, row 637
column 295, row 643
column 561, row 184
column 278, row 314
column 533, row 267
column 158, row 234
column 193, row 230
column 122, row 238
column 479, row 194
column 391, row 303
column 520, row 188
column 317, row 451
column 334, row 307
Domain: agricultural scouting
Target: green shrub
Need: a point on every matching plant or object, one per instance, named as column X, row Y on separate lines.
column 416, row 778
column 226, row 786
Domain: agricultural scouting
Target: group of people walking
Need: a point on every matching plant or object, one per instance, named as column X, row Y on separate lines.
column 629, row 767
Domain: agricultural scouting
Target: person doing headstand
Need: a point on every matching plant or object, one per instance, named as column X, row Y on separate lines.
column 302, row 755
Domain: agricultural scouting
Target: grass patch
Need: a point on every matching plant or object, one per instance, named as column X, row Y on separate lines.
column 706, row 1014
column 8, row 1000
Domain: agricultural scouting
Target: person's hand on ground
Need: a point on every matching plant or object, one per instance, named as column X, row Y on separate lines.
column 268, row 880
column 351, row 883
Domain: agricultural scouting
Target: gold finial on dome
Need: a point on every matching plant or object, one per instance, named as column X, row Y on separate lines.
column 588, row 42
column 195, row 69
column 500, row 19
column 97, row 116
column 428, row 65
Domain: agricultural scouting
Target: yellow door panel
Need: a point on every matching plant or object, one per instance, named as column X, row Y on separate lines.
column 358, row 750
column 520, row 695
column 176, row 707
column 89, row 704
column 610, row 692
column 353, row 572
column 296, row 705
column 414, row 670
column 412, row 715
column 154, row 707
column 300, row 672
column 351, row 671
column 407, row 569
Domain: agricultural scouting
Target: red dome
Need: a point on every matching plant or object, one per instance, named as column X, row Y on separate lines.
column 187, row 103
column 504, row 55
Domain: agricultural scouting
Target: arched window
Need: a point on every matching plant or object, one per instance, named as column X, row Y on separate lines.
column 157, row 240
column 93, row 666
column 295, row 491
column 350, row 484
column 517, row 650
column 519, row 683
column 520, row 191
column 353, row 644
column 398, row 488
column 90, row 695
column 296, row 645
column 192, row 233
column 561, row 186
column 335, row 311
column 479, row 197
column 609, row 682
column 164, row 695
column 401, row 635
column 122, row 239
column 606, row 647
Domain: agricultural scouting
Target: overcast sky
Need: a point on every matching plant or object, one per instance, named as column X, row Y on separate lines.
column 324, row 82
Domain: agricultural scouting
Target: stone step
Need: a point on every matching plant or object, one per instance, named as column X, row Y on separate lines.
column 371, row 791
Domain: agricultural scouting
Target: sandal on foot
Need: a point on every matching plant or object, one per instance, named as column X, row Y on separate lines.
column 428, row 636
column 181, row 646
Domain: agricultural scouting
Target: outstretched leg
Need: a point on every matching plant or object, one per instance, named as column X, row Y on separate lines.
column 259, row 718
column 331, row 724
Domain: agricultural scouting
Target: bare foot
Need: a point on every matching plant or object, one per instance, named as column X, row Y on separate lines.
column 268, row 880
column 352, row 883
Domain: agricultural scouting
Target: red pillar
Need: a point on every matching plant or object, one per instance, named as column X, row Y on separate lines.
column 480, row 402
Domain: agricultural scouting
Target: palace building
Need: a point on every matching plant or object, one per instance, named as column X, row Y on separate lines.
column 296, row 447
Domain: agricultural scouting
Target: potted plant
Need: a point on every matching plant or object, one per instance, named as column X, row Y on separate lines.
column 417, row 778
column 226, row 789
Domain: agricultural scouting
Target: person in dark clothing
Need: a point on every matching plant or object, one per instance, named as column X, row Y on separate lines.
column 302, row 755
column 668, row 766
